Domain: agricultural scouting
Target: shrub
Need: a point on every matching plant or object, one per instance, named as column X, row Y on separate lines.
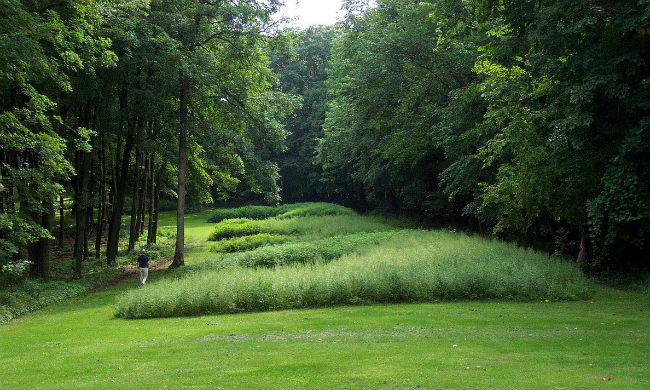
column 419, row 266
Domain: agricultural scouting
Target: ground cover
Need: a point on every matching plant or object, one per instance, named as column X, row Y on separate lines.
column 599, row 343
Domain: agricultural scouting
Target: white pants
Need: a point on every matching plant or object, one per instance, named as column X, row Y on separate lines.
column 144, row 272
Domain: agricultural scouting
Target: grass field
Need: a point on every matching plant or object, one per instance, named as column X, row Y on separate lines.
column 599, row 343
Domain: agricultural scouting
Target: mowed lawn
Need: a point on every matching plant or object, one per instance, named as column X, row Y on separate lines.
column 602, row 343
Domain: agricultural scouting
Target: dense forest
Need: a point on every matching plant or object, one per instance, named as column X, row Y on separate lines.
column 526, row 119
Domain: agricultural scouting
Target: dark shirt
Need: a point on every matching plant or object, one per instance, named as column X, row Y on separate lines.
column 143, row 261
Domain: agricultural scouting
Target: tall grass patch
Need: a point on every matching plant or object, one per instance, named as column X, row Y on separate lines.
column 317, row 226
column 245, row 243
column 316, row 251
column 419, row 266
column 283, row 211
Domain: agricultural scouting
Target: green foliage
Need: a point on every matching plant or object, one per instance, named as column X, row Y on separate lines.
column 283, row 211
column 530, row 120
column 418, row 266
column 319, row 226
column 302, row 71
column 238, row 244
column 317, row 251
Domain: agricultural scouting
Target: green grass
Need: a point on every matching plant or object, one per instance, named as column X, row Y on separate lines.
column 316, row 251
column 79, row 344
column 238, row 244
column 316, row 226
column 283, row 211
column 415, row 266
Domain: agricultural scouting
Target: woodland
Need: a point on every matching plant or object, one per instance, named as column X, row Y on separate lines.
column 523, row 120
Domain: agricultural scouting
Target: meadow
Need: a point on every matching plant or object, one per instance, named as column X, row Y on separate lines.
column 320, row 311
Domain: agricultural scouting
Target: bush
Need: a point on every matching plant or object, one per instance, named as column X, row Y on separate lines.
column 418, row 266
column 238, row 244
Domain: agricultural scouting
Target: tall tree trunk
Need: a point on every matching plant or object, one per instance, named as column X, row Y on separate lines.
column 118, row 207
column 61, row 220
column 81, row 218
column 135, row 200
column 179, row 254
column 156, row 206
column 145, row 195
column 119, row 187
column 39, row 251
column 152, row 196
column 101, row 211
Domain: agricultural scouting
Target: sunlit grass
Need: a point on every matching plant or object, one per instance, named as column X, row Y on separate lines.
column 417, row 266
column 316, row 226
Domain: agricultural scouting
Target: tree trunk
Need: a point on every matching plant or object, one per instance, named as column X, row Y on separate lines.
column 152, row 196
column 179, row 254
column 81, row 218
column 61, row 220
column 582, row 255
column 39, row 251
column 143, row 202
column 135, row 201
column 118, row 207
column 156, row 208
column 101, row 211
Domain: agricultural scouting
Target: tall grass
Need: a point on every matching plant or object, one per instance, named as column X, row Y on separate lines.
column 318, row 226
column 317, row 251
column 419, row 266
column 283, row 211
column 238, row 244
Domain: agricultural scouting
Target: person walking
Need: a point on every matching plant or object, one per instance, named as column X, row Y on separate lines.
column 143, row 266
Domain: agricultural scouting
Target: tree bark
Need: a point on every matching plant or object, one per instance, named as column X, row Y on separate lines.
column 118, row 207
column 145, row 194
column 156, row 204
column 101, row 211
column 39, row 251
column 61, row 220
column 135, row 201
column 81, row 200
column 179, row 254
column 152, row 196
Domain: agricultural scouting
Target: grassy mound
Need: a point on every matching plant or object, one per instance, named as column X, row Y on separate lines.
column 418, row 266
column 317, row 251
column 319, row 226
column 284, row 211
column 239, row 244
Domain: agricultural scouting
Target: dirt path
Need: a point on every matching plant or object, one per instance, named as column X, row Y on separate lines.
column 162, row 264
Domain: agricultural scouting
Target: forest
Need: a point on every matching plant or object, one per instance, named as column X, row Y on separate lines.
column 525, row 120
column 426, row 194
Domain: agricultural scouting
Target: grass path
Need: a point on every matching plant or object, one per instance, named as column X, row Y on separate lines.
column 598, row 344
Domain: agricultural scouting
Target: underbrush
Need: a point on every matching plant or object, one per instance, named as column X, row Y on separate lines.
column 317, row 226
column 32, row 294
column 416, row 266
column 283, row 211
column 238, row 244
column 21, row 294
